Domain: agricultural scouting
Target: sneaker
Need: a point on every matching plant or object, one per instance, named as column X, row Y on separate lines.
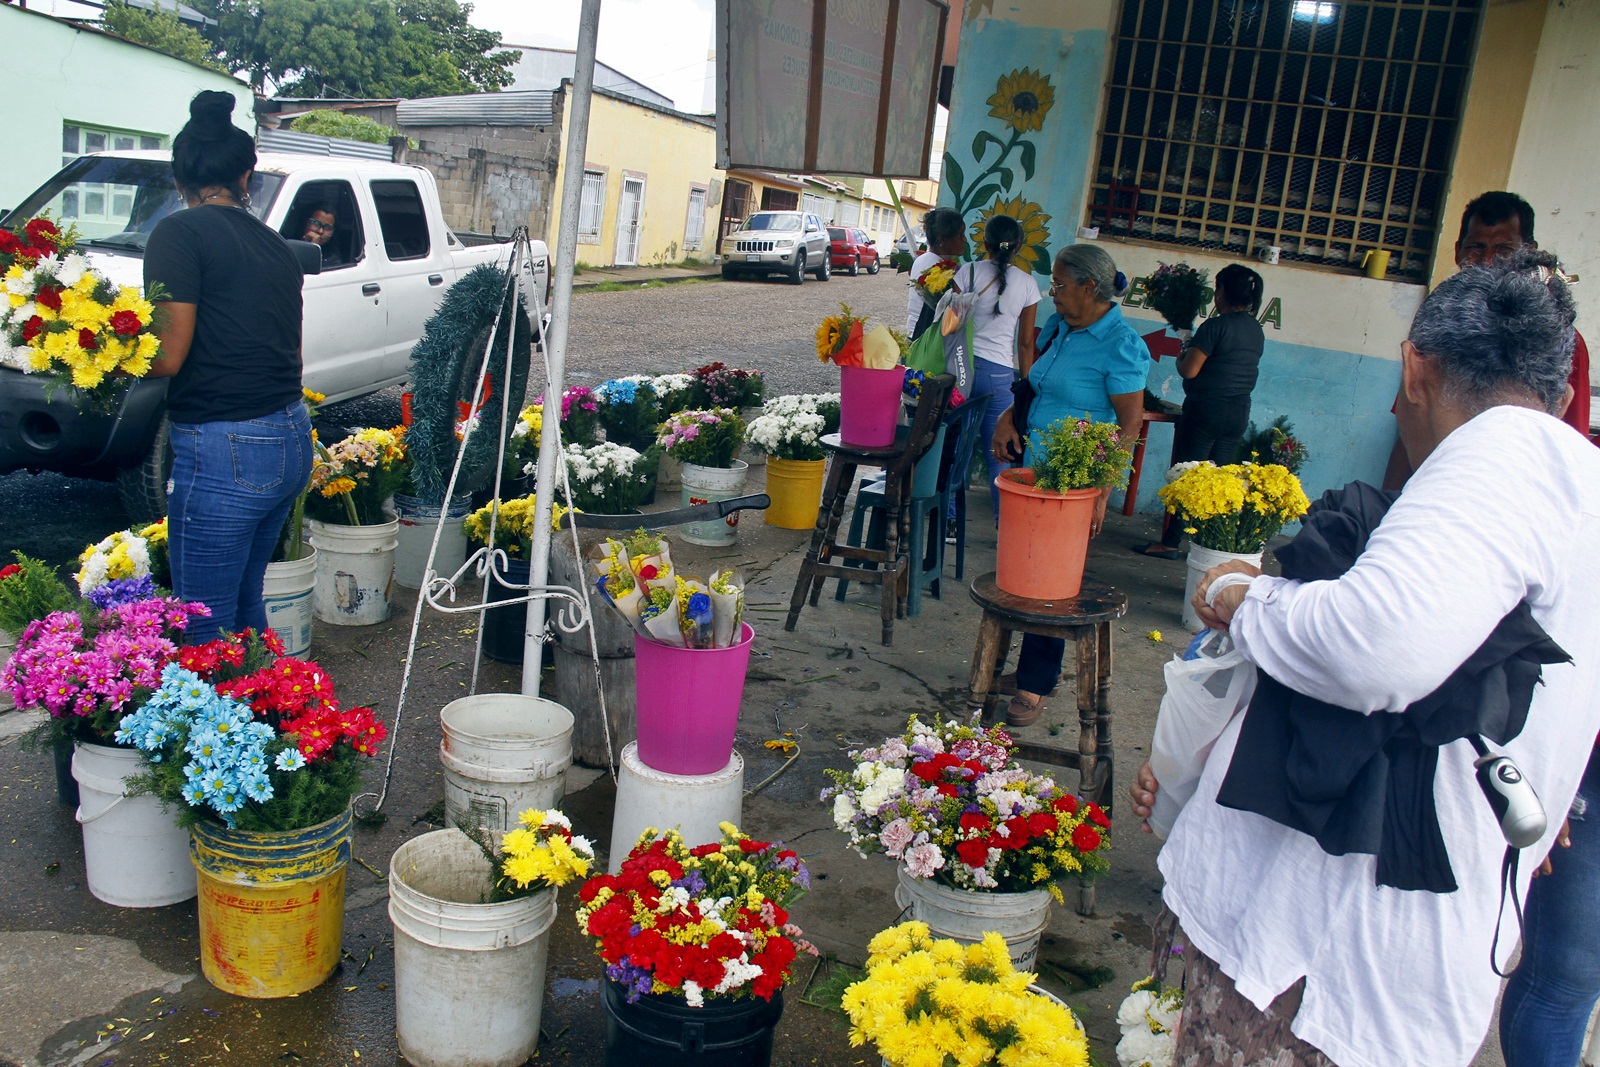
column 950, row 532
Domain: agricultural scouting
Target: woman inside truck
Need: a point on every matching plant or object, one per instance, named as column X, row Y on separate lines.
column 229, row 322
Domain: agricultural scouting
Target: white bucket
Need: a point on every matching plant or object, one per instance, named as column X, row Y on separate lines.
column 286, row 593
column 1202, row 559
column 965, row 916
column 134, row 854
column 691, row 804
column 418, row 520
column 669, row 472
column 704, row 485
column 355, row 568
column 503, row 753
column 8, row 644
column 468, row 976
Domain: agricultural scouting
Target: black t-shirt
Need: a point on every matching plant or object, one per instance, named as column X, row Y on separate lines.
column 244, row 281
column 1232, row 344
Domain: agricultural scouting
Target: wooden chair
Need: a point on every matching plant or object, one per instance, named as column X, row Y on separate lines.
column 888, row 564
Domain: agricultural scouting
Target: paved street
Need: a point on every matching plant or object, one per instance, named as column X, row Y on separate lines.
column 767, row 324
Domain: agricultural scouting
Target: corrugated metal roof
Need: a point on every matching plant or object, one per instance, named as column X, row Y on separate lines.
column 313, row 144
column 531, row 108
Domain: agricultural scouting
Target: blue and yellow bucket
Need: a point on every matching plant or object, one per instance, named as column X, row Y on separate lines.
column 271, row 905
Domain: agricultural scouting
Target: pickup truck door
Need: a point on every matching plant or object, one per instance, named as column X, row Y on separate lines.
column 417, row 265
column 345, row 314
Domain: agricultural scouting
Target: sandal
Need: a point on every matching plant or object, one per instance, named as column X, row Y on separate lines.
column 1155, row 550
column 1023, row 712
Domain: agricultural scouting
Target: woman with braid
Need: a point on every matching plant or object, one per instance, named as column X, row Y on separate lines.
column 1219, row 369
column 1002, row 327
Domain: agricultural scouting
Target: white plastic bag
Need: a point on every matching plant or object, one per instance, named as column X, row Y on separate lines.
column 1203, row 695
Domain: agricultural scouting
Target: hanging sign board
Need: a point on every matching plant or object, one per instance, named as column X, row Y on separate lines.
column 828, row 86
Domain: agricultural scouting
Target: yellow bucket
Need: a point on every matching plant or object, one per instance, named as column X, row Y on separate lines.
column 271, row 905
column 795, row 486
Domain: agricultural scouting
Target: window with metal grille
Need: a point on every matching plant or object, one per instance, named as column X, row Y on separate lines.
column 695, row 231
column 592, row 204
column 1325, row 129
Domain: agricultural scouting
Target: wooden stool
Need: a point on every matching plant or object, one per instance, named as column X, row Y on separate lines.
column 888, row 561
column 1084, row 620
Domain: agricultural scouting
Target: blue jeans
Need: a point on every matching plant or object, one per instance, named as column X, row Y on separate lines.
column 233, row 484
column 1547, row 1002
column 991, row 386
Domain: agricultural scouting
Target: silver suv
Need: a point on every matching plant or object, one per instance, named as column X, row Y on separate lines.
column 794, row 243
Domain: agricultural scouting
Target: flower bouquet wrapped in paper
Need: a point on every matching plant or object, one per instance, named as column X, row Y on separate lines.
column 659, row 617
column 845, row 340
column 650, row 556
column 727, row 607
column 932, row 283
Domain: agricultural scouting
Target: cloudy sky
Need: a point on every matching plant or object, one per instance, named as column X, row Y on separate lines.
column 662, row 43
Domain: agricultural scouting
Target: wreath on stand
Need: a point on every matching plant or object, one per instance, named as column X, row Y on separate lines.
column 445, row 365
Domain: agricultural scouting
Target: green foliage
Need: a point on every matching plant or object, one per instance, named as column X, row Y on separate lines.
column 329, row 123
column 161, row 30
column 360, row 48
column 30, row 593
column 1079, row 454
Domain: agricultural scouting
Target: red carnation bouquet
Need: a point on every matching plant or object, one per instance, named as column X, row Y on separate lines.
column 708, row 921
column 950, row 802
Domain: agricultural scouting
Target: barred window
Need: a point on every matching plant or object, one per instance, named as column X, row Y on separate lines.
column 695, row 229
column 1326, row 129
column 591, row 204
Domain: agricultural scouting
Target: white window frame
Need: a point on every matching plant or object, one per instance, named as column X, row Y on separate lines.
column 694, row 229
column 110, row 139
column 592, row 205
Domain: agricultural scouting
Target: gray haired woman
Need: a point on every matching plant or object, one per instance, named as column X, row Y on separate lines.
column 1090, row 364
column 1300, row 955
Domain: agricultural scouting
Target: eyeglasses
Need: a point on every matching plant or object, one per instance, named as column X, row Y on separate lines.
column 320, row 227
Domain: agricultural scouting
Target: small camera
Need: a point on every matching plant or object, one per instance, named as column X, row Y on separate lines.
column 1511, row 797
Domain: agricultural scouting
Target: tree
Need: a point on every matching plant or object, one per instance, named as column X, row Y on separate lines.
column 161, row 30
column 360, row 48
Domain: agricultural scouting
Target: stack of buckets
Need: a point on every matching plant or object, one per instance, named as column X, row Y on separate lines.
column 683, row 762
column 469, row 974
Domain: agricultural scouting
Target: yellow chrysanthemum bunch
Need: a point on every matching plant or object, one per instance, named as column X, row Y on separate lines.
column 928, row 1002
column 124, row 554
column 1236, row 508
column 354, row 477
column 513, row 529
column 539, row 853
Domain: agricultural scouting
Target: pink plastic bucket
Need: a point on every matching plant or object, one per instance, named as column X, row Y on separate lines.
column 869, row 405
column 688, row 703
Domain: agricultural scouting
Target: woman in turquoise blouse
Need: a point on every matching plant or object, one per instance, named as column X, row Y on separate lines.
column 1092, row 365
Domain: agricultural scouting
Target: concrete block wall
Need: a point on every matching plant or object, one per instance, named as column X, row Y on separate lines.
column 490, row 177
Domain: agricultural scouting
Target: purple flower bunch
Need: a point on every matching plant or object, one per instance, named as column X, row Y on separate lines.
column 120, row 591
column 86, row 674
column 580, row 395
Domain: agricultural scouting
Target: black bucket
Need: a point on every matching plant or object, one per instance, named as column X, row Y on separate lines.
column 663, row 1031
column 502, row 627
column 66, row 785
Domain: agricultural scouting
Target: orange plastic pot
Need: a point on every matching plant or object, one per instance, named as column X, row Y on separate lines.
column 1044, row 537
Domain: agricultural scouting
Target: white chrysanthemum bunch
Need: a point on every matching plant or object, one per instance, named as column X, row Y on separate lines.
column 1149, row 1022
column 795, row 435
column 122, row 555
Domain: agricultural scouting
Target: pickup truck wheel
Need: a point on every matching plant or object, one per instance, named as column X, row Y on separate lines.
column 825, row 271
column 797, row 276
column 872, row 268
column 143, row 487
column 855, row 266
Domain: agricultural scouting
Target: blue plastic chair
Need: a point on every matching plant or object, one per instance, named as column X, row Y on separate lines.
column 927, row 511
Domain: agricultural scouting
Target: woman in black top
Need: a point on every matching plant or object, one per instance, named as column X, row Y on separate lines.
column 1219, row 369
column 230, row 342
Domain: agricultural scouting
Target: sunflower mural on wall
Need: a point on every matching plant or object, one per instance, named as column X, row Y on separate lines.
column 1021, row 101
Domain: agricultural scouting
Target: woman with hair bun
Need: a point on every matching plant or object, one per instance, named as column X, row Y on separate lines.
column 1219, row 369
column 229, row 325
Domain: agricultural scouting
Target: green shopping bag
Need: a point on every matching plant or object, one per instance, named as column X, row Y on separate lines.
column 927, row 352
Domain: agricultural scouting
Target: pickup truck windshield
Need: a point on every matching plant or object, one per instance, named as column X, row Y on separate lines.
column 773, row 222
column 115, row 202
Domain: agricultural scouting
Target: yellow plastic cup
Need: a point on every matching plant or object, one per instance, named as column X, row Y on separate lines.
column 1375, row 263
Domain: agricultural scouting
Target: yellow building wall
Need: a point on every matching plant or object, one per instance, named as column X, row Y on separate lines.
column 671, row 154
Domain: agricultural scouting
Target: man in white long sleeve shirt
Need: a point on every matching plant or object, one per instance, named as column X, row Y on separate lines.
column 1504, row 507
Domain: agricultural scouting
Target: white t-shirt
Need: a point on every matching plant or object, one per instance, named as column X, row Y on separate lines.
column 994, row 336
column 915, row 305
column 1507, row 508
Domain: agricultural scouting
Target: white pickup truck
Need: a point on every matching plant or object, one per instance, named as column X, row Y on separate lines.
column 385, row 266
